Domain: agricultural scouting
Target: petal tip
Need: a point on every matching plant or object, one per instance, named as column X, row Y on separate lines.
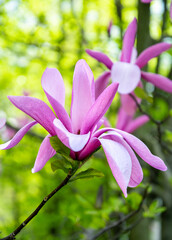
column 33, row 170
column 125, row 194
column 135, row 20
column 88, row 50
column 164, row 168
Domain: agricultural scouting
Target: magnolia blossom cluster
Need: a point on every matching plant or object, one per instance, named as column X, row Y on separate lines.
column 128, row 73
column 82, row 131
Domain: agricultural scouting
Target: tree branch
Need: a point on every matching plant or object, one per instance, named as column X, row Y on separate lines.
column 158, row 123
column 30, row 133
column 40, row 206
column 115, row 224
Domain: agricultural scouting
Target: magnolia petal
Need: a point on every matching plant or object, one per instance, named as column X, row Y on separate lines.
column 128, row 41
column 53, row 85
column 106, row 123
column 102, row 131
column 136, row 123
column 90, row 148
column 142, row 150
column 133, row 55
column 128, row 104
column 101, row 83
column 109, row 28
column 83, row 94
column 122, row 119
column 44, row 154
column 17, row 137
column 73, row 141
column 136, row 172
column 101, row 57
column 151, row 52
column 127, row 75
column 99, row 108
column 2, row 122
column 36, row 109
column 119, row 161
column 158, row 81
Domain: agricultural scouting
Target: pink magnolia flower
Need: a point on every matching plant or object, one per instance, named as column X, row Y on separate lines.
column 127, row 122
column 109, row 28
column 127, row 110
column 127, row 72
column 80, row 132
column 8, row 132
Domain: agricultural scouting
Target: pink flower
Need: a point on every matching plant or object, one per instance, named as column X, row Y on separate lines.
column 127, row 72
column 80, row 132
column 128, row 123
column 109, row 28
column 127, row 110
column 125, row 120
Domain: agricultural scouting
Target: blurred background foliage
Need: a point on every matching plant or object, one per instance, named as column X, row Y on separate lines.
column 36, row 34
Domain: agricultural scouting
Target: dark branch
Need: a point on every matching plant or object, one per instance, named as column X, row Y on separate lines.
column 158, row 123
column 36, row 211
column 116, row 224
column 30, row 133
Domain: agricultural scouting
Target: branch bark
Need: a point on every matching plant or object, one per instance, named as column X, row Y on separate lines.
column 115, row 224
column 158, row 123
column 40, row 206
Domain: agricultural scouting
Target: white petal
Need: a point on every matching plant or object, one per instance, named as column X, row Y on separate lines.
column 127, row 75
column 119, row 161
column 73, row 141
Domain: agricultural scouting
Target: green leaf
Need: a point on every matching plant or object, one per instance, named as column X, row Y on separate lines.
column 58, row 165
column 140, row 93
column 89, row 173
column 159, row 111
column 61, row 163
column 170, row 113
column 133, row 200
column 58, row 146
column 153, row 210
column 168, row 136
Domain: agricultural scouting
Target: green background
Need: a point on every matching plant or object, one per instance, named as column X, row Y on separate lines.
column 36, row 34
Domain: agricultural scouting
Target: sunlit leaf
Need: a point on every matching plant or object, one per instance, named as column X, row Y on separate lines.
column 159, row 110
column 140, row 93
column 89, row 173
column 153, row 210
column 61, row 163
column 59, row 146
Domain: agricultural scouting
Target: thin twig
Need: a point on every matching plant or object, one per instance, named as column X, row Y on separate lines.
column 129, row 228
column 36, row 211
column 115, row 224
column 142, row 111
column 158, row 123
column 30, row 133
